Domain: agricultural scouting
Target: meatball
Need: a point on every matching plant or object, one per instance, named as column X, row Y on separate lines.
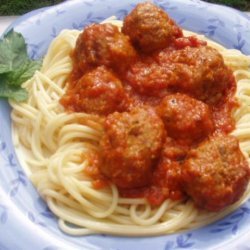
column 167, row 179
column 197, row 71
column 131, row 143
column 216, row 173
column 149, row 78
column 174, row 150
column 167, row 174
column 98, row 92
column 150, row 28
column 200, row 72
column 185, row 117
column 103, row 44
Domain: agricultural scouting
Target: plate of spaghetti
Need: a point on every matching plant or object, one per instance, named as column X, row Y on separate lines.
column 134, row 132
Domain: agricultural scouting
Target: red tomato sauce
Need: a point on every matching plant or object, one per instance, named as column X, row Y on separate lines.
column 146, row 80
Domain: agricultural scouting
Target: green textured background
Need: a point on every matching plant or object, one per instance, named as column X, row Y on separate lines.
column 239, row 4
column 19, row 7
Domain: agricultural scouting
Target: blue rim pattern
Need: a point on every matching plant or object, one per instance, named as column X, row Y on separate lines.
column 25, row 220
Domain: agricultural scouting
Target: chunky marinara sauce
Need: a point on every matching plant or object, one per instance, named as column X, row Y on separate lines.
column 164, row 98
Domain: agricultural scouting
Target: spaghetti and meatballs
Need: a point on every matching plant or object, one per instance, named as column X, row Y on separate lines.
column 139, row 126
column 178, row 86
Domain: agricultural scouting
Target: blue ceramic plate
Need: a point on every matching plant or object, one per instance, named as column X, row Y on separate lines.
column 25, row 221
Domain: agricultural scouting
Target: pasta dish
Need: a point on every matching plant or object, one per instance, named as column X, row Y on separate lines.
column 137, row 127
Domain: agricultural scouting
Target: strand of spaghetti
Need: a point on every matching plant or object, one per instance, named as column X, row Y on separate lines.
column 74, row 231
column 128, row 230
column 72, row 188
column 48, row 191
column 153, row 219
column 80, row 131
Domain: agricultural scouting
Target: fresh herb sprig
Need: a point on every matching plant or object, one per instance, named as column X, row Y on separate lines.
column 15, row 66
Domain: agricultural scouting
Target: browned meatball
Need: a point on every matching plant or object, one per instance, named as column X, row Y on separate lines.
column 199, row 71
column 149, row 78
column 185, row 117
column 98, row 91
column 130, row 145
column 216, row 173
column 167, row 174
column 103, row 44
column 150, row 28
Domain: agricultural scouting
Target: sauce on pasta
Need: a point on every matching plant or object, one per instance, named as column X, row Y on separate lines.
column 163, row 97
column 186, row 165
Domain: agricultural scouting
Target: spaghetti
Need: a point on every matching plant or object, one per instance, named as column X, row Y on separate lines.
column 53, row 147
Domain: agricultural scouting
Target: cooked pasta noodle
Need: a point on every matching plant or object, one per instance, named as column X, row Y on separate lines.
column 53, row 145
